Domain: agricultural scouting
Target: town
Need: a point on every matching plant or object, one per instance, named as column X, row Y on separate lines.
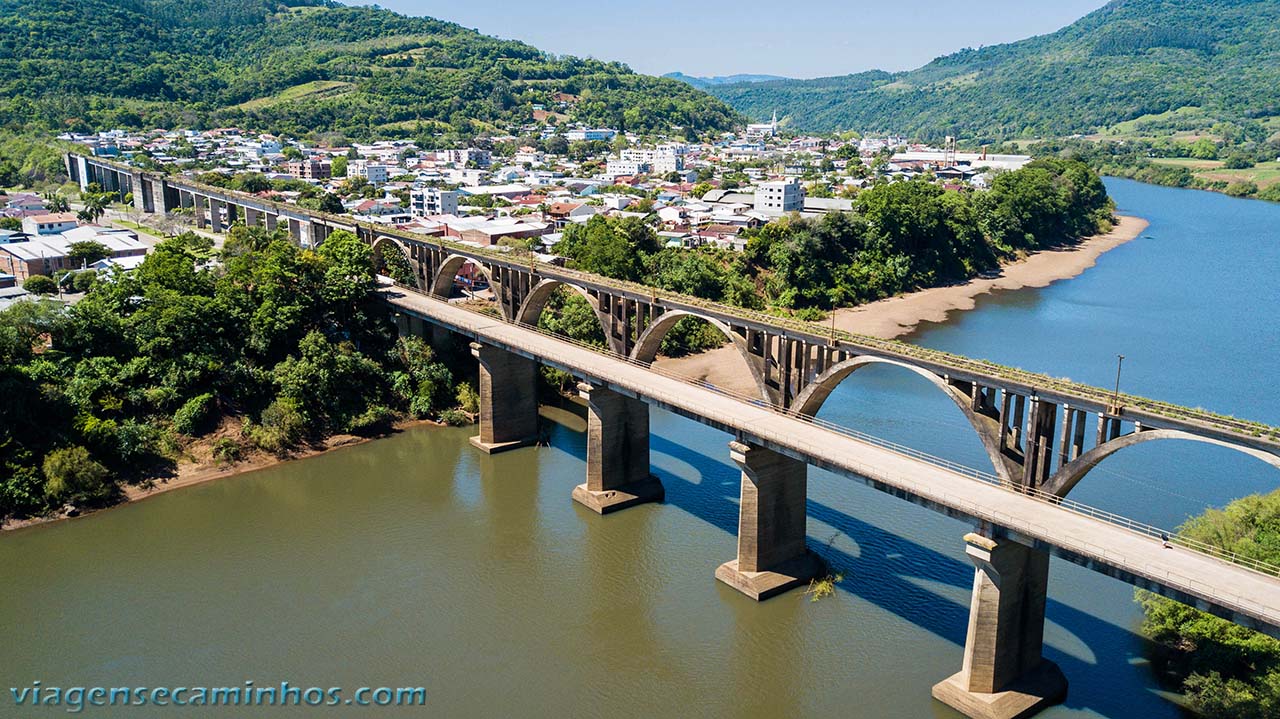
column 505, row 190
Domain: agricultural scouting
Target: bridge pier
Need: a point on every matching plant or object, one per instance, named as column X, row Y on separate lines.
column 508, row 400
column 617, row 453
column 1004, row 675
column 772, row 556
column 215, row 216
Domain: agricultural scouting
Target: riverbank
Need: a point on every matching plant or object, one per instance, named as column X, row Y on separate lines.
column 200, row 466
column 896, row 317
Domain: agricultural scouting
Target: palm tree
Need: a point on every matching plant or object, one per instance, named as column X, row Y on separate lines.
column 95, row 206
column 56, row 202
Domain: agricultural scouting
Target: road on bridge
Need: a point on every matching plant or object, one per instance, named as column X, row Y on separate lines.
column 1245, row 596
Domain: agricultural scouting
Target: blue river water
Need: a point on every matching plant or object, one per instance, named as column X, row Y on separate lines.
column 414, row 561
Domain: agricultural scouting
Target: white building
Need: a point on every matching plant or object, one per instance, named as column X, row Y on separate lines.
column 659, row 161
column 428, row 201
column 626, row 167
column 52, row 224
column 376, row 174
column 779, row 198
column 759, row 130
column 590, row 134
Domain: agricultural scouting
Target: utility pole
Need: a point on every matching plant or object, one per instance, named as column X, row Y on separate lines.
column 1115, row 398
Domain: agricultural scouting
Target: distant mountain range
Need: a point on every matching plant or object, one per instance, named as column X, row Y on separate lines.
column 1129, row 59
column 703, row 83
column 304, row 66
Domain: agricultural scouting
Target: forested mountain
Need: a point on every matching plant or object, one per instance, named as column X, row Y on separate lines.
column 1128, row 59
column 703, row 83
column 295, row 66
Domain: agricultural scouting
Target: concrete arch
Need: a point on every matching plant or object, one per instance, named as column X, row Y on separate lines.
column 646, row 349
column 532, row 307
column 382, row 240
column 812, row 397
column 1068, row 476
column 442, row 283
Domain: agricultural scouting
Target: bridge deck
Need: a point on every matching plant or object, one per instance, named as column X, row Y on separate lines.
column 1247, row 597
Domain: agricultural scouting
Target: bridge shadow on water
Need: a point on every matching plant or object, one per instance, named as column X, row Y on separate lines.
column 890, row 571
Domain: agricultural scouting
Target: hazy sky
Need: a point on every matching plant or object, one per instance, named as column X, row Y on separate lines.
column 723, row 37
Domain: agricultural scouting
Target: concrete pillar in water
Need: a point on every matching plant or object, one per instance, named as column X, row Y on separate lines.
column 508, row 399
column 617, row 452
column 772, row 556
column 1004, row 675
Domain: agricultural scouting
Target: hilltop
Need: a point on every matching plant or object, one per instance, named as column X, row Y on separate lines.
column 703, row 83
column 297, row 66
column 1127, row 60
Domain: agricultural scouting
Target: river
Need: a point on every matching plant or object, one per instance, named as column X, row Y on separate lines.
column 416, row 561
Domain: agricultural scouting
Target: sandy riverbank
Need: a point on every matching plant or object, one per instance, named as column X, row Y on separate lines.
column 897, row 316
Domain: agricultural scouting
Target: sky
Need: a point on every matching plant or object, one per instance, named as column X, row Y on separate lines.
column 814, row 38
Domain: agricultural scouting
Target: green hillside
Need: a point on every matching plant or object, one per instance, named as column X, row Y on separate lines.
column 296, row 66
column 1129, row 59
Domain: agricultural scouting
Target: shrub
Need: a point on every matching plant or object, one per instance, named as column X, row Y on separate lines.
column 455, row 418
column 1241, row 189
column 194, row 417
column 84, row 281
column 71, row 474
column 40, row 285
column 227, row 450
column 1238, row 161
column 468, row 398
column 378, row 418
column 282, row 427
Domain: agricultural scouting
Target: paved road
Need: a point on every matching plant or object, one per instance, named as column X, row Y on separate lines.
column 1247, row 597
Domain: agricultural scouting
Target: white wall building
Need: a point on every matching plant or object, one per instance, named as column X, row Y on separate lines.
column 428, row 201
column 779, row 198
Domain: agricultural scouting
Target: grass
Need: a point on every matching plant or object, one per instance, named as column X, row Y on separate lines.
column 1264, row 175
column 325, row 88
column 140, row 228
column 1187, row 162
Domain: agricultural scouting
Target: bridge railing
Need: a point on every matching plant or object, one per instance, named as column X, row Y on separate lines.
column 1141, row 528
column 895, row 348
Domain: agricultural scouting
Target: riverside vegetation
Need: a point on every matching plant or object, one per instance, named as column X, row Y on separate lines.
column 265, row 345
column 1227, row 671
column 899, row 237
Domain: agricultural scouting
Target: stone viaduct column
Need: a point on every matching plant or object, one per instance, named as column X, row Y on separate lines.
column 508, row 400
column 200, row 204
column 617, row 452
column 252, row 217
column 1004, row 675
column 772, row 556
column 215, row 215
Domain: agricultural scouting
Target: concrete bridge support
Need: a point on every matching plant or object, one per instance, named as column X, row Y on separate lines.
column 1004, row 675
column 617, row 453
column 252, row 217
column 215, row 216
column 772, row 556
column 508, row 400
column 200, row 207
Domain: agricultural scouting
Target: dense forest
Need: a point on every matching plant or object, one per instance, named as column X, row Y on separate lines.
column 302, row 66
column 1227, row 671
column 264, row 344
column 1128, row 59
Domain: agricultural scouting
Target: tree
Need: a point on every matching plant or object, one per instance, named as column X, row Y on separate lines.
column 40, row 285
column 56, row 202
column 339, row 167
column 86, row 252
column 95, row 206
column 1227, row 671
column 11, row 223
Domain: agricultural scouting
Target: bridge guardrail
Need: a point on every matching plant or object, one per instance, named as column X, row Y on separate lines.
column 1140, row 528
column 903, row 350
